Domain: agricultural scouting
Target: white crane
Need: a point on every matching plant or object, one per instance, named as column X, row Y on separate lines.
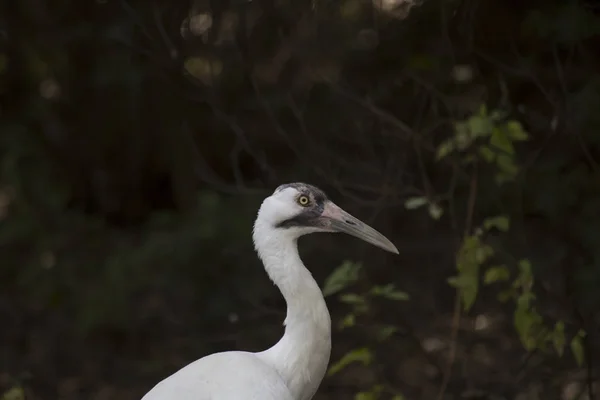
column 293, row 368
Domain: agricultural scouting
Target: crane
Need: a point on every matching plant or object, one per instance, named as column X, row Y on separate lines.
column 293, row 368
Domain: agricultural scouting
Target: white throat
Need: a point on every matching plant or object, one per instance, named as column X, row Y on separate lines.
column 301, row 356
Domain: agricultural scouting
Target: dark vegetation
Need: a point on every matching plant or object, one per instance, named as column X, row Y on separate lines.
column 137, row 139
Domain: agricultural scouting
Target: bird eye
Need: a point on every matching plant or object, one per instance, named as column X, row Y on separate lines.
column 303, row 200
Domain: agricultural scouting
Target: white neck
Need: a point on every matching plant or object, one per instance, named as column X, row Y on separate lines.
column 302, row 354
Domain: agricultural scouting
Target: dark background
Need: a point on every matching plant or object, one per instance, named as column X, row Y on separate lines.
column 138, row 138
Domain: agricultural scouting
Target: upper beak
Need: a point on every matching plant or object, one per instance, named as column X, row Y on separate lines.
column 338, row 220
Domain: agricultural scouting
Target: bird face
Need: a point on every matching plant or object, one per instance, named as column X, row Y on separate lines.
column 298, row 209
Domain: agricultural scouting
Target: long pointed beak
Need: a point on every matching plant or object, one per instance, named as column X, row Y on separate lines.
column 338, row 220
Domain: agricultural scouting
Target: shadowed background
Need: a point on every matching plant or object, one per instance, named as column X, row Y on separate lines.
column 138, row 138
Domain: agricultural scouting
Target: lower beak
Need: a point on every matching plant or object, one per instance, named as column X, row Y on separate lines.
column 339, row 220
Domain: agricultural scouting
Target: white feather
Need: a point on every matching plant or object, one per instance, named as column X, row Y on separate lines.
column 294, row 367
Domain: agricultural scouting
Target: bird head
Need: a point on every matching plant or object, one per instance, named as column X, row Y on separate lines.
column 297, row 209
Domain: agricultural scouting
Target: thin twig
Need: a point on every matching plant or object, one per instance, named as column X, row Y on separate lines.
column 385, row 116
column 163, row 33
column 457, row 309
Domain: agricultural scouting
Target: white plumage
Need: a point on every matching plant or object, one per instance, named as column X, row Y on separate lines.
column 293, row 368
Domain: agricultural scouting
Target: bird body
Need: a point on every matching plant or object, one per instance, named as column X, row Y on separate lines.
column 294, row 367
column 230, row 375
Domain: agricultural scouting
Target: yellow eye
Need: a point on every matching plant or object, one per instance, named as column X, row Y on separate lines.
column 303, row 200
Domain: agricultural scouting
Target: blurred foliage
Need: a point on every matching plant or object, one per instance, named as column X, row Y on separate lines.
column 16, row 393
column 138, row 138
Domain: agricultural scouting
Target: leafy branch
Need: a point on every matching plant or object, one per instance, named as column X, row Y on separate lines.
column 360, row 304
column 489, row 138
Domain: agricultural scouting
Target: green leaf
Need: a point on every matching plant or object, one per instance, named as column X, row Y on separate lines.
column 365, row 396
column 15, row 393
column 528, row 321
column 525, row 276
column 415, row 202
column 352, row 298
column 495, row 274
column 444, row 149
column 462, row 140
column 523, row 323
column 467, row 288
column 501, row 222
column 516, row 131
column 501, row 141
column 506, row 295
column 359, row 302
column 389, row 291
column 480, row 126
column 507, row 165
column 468, row 261
column 469, row 293
column 435, row 211
column 483, row 111
column 397, row 295
column 348, row 321
column 525, row 299
column 341, row 277
column 577, row 349
column 454, row 281
column 525, row 266
column 372, row 394
column 498, row 115
column 487, row 153
column 386, row 332
column 362, row 355
column 483, row 253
